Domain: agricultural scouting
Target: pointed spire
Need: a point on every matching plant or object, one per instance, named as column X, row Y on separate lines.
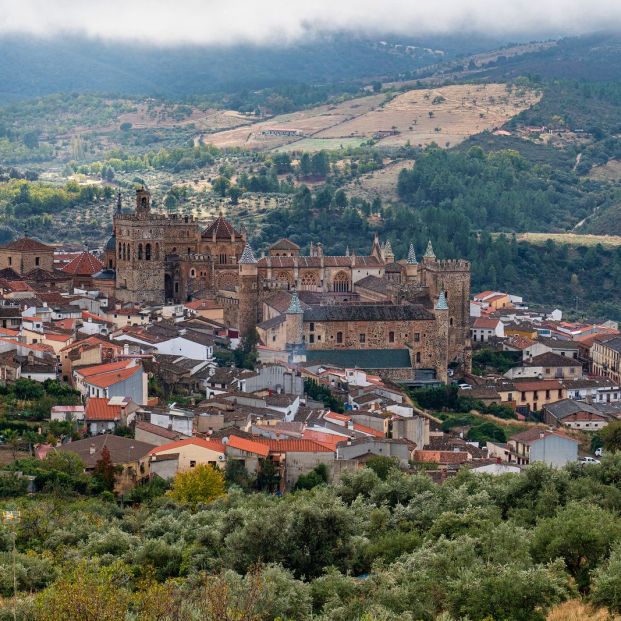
column 247, row 255
column 412, row 256
column 429, row 253
column 387, row 247
column 441, row 304
column 347, row 251
column 294, row 307
column 119, row 202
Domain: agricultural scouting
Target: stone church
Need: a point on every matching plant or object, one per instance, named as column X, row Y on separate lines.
column 372, row 301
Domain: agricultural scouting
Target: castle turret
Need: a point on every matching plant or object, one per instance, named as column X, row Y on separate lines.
column 441, row 312
column 430, row 255
column 411, row 264
column 294, row 326
column 248, row 291
column 143, row 201
column 389, row 255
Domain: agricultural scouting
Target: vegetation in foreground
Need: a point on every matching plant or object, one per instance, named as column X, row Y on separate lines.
column 379, row 545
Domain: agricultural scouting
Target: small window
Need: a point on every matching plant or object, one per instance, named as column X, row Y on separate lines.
column 192, row 464
column 391, row 337
column 10, row 260
column 311, row 338
column 417, row 356
column 37, row 261
column 339, row 337
column 311, row 326
column 362, row 338
column 417, row 337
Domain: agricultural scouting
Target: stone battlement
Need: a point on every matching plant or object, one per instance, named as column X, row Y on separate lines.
column 448, row 265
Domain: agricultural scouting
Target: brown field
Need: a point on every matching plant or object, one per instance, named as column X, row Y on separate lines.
column 572, row 239
column 445, row 115
column 380, row 183
column 611, row 171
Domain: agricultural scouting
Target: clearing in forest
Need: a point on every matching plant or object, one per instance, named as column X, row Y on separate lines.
column 445, row 115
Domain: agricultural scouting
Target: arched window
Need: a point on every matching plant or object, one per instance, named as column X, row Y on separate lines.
column 417, row 356
column 339, row 337
column 139, row 252
column 341, row 282
column 189, row 250
column 147, row 252
column 174, row 250
column 222, row 258
column 120, row 250
column 125, row 251
column 451, row 321
column 391, row 337
column 192, row 272
column 309, row 281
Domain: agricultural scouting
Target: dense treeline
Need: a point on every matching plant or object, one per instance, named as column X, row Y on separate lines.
column 379, row 546
column 499, row 191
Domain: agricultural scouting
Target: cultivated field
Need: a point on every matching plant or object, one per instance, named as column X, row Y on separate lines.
column 445, row 115
column 611, row 171
column 572, row 239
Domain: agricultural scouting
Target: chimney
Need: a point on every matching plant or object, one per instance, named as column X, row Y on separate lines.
column 91, row 449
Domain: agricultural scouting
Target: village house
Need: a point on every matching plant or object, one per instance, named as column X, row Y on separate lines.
column 126, row 453
column 541, row 445
column 483, row 329
column 575, row 415
column 606, row 358
column 547, row 366
column 125, row 378
column 168, row 459
column 103, row 415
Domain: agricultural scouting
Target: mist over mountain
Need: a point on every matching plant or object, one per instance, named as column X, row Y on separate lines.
column 32, row 66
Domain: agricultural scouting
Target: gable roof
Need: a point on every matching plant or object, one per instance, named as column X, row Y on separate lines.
column 106, row 380
column 122, row 450
column 27, row 244
column 568, row 407
column 100, row 409
column 534, row 434
column 249, row 446
column 537, row 385
column 550, row 359
column 104, row 368
column 295, row 446
column 212, row 445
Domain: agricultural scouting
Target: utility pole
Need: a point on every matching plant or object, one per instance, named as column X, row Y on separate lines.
column 11, row 519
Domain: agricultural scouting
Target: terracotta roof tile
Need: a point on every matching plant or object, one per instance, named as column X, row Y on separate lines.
column 98, row 409
column 26, row 244
column 249, row 446
column 84, row 264
column 212, row 445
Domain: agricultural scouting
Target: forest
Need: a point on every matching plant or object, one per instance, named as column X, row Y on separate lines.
column 380, row 545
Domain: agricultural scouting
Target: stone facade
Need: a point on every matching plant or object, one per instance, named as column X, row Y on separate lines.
column 25, row 255
column 159, row 258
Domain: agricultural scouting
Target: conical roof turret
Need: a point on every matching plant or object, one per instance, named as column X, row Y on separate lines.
column 412, row 256
column 441, row 304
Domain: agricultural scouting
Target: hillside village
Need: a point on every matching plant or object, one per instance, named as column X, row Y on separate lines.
column 210, row 378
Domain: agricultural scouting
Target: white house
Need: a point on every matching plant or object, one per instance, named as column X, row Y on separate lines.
column 483, row 329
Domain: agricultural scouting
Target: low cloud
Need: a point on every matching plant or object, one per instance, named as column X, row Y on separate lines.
column 171, row 22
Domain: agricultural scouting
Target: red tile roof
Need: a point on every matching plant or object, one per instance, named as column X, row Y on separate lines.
column 84, row 264
column 222, row 228
column 330, row 440
column 249, row 446
column 482, row 322
column 212, row 445
column 105, row 380
column 104, row 368
column 26, row 244
column 295, row 446
column 537, row 385
column 98, row 409
column 368, row 430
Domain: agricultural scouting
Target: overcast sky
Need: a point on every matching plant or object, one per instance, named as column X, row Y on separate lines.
column 261, row 21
